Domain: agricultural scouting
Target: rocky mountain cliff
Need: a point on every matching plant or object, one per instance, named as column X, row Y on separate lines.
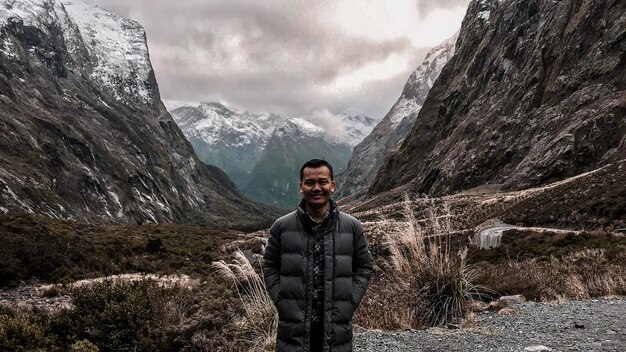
column 85, row 134
column 368, row 155
column 535, row 93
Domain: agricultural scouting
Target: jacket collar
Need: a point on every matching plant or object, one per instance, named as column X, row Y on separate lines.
column 329, row 219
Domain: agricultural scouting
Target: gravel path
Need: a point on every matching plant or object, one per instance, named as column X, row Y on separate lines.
column 592, row 325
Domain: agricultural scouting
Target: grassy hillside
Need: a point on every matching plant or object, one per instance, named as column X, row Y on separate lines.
column 133, row 316
column 592, row 201
column 63, row 251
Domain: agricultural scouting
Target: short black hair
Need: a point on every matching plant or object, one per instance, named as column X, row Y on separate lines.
column 315, row 163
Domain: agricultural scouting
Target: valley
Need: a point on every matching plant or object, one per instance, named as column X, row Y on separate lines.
column 499, row 171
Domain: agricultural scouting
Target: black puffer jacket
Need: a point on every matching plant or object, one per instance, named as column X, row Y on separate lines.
column 288, row 268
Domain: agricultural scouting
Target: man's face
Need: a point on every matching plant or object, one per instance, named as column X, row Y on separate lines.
column 316, row 186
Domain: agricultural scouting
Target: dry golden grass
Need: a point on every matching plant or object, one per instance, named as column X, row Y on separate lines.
column 257, row 327
column 385, row 304
column 581, row 275
column 424, row 281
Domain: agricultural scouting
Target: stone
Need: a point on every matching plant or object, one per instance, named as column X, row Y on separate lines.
column 514, row 299
column 537, row 348
column 506, row 311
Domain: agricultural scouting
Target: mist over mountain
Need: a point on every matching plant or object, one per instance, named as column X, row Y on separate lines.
column 85, row 134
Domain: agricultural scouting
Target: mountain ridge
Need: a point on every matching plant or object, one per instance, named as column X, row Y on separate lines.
column 95, row 141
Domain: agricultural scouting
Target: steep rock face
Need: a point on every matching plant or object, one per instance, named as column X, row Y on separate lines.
column 85, row 134
column 275, row 178
column 368, row 155
column 225, row 138
column 535, row 93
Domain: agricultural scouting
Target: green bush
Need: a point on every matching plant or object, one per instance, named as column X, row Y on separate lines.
column 19, row 333
column 127, row 316
column 84, row 346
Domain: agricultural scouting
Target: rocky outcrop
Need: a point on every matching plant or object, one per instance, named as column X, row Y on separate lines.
column 368, row 155
column 535, row 93
column 85, row 134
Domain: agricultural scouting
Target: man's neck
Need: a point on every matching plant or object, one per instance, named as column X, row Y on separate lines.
column 317, row 213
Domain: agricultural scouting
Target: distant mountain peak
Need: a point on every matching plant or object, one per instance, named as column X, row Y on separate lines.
column 297, row 126
column 239, row 141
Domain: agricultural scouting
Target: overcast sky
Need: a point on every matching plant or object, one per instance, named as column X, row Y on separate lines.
column 292, row 57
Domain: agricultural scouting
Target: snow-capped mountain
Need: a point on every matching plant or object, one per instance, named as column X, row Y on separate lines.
column 85, row 134
column 228, row 139
column 235, row 141
column 368, row 155
column 275, row 177
column 106, row 48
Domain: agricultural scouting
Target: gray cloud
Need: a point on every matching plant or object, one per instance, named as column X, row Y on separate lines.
column 425, row 7
column 258, row 56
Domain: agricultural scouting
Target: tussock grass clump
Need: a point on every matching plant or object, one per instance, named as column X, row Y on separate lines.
column 257, row 327
column 423, row 273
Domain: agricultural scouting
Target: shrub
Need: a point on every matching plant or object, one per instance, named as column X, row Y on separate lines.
column 580, row 275
column 84, row 346
column 126, row 316
column 155, row 245
column 19, row 333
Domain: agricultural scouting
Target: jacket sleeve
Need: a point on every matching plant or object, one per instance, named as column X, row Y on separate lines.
column 271, row 263
column 362, row 265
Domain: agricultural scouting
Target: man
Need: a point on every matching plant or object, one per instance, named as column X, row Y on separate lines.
column 317, row 267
